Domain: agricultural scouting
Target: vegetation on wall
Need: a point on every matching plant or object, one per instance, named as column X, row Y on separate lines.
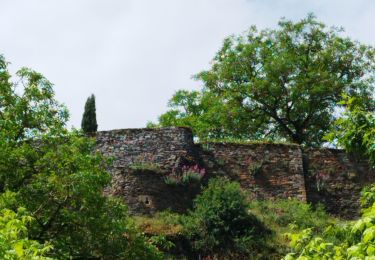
column 278, row 84
column 145, row 166
column 187, row 175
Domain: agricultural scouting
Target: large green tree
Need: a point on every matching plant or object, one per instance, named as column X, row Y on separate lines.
column 58, row 180
column 283, row 83
column 89, row 124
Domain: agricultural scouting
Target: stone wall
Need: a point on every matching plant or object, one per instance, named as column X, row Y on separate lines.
column 145, row 192
column 141, row 160
column 164, row 147
column 144, row 157
column 335, row 179
column 265, row 170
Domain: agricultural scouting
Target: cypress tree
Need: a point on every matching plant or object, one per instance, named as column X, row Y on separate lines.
column 89, row 124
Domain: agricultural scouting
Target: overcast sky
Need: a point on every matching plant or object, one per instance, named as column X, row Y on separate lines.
column 134, row 54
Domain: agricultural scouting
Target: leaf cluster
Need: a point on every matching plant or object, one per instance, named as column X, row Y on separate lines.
column 14, row 242
column 355, row 129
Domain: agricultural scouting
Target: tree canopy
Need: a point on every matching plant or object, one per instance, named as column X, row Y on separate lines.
column 89, row 124
column 56, row 180
column 282, row 84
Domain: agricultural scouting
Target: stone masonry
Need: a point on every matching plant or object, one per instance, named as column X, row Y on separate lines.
column 335, row 179
column 142, row 158
column 265, row 170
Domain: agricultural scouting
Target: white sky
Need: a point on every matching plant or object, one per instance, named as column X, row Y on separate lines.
column 134, row 54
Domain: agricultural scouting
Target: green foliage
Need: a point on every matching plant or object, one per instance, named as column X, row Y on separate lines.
column 172, row 180
column 280, row 216
column 184, row 179
column 55, row 175
column 356, row 240
column 89, row 124
column 191, row 177
column 281, row 84
column 286, row 216
column 291, row 213
column 313, row 247
column 164, row 223
column 355, row 130
column 145, row 166
column 221, row 223
column 162, row 242
column 14, row 243
column 368, row 196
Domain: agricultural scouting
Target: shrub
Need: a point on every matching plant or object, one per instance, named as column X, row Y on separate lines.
column 162, row 223
column 352, row 240
column 221, row 223
column 284, row 213
column 14, row 243
column 288, row 215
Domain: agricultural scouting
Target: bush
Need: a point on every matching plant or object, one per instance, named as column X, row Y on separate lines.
column 351, row 240
column 162, row 223
column 354, row 240
column 291, row 212
column 14, row 243
column 220, row 222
